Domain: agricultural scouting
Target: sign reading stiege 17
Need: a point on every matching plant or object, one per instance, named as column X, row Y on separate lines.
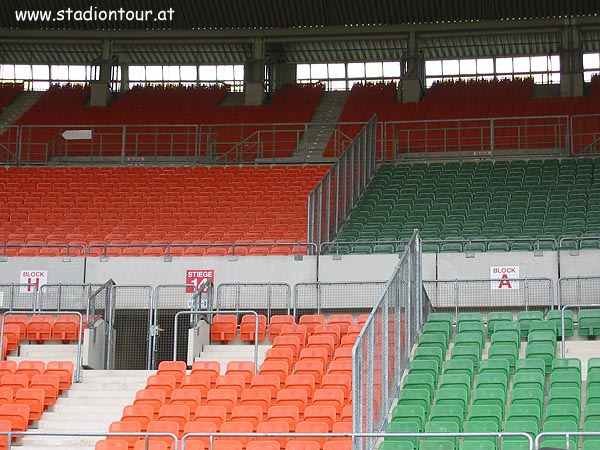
column 196, row 278
column 35, row 279
column 504, row 277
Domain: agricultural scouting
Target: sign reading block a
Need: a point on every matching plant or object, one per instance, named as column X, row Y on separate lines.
column 504, row 277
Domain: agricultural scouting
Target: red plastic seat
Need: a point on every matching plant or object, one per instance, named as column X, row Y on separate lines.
column 342, row 382
column 277, row 368
column 248, row 413
column 153, row 397
column 49, row 384
column 21, row 320
column 198, row 381
column 31, row 368
column 329, row 330
column 112, row 444
column 340, row 367
column 293, row 397
column 275, row 427
column 297, row 444
column 12, row 333
column 288, row 414
column 17, row 415
column 164, row 426
column 227, row 398
column 216, row 414
column 125, row 427
column 175, row 368
column 14, row 381
column 281, row 354
column 179, row 414
column 236, row 427
column 333, row 397
column 192, row 398
column 34, row 398
column 314, row 354
column 236, row 383
column 269, row 382
column 263, row 444
column 199, row 427
column 277, row 322
column 227, row 445
column 343, row 354
column 223, row 327
column 322, row 341
column 248, row 327
column 346, row 415
column 311, row 321
column 142, row 414
column 291, row 342
column 210, row 368
column 344, row 321
column 6, row 395
column 308, row 367
column 64, row 371
column 321, row 413
column 314, row 428
column 151, row 445
column 39, row 327
column 66, row 328
column 296, row 330
column 7, row 367
column 243, row 368
column 256, row 397
column 165, row 383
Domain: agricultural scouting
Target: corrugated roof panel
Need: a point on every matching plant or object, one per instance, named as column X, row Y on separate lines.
column 334, row 51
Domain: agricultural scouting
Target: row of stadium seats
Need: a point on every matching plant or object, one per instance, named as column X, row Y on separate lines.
column 40, row 328
column 468, row 393
column 156, row 205
column 202, row 401
column 518, row 200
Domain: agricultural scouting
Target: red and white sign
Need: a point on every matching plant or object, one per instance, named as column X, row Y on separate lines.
column 196, row 278
column 506, row 276
column 37, row 278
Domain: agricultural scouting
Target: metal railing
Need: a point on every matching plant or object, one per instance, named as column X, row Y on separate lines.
column 382, row 349
column 269, row 297
column 491, row 294
column 331, row 201
column 319, row 297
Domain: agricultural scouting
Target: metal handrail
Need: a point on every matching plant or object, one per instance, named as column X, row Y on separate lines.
column 562, row 320
column 213, row 313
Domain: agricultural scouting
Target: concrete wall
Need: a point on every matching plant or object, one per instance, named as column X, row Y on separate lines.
column 584, row 263
column 72, row 272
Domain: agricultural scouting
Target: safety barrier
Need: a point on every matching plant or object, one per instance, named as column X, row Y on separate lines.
column 382, row 349
column 336, row 297
column 273, row 298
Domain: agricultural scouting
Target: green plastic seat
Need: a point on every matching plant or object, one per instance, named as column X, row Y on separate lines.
column 389, row 444
column 429, row 353
column 465, row 317
column 480, row 442
column 593, row 379
column 529, row 379
column 593, row 365
column 524, row 411
column 541, row 336
column 443, row 328
column 470, row 352
column 564, row 396
column 476, row 444
column 506, row 337
column 531, row 365
column 508, row 326
column 494, row 366
column 560, row 426
column 469, row 338
column 592, row 413
column 474, row 327
column 489, row 396
column 565, row 378
column 504, row 351
column 437, row 444
column 592, row 396
column 490, row 413
column 555, row 316
column 525, row 318
column 521, row 396
column 542, row 350
column 440, row 426
column 494, row 317
column 419, row 397
column 492, row 380
column 459, row 366
column 419, row 381
column 530, row 426
column 402, row 427
column 410, row 413
column 588, row 322
column 562, row 411
column 456, row 380
column 452, row 413
column 433, row 340
column 441, row 317
column 452, row 396
column 424, row 366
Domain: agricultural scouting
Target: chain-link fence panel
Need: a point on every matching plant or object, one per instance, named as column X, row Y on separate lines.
column 516, row 294
column 169, row 300
column 65, row 297
column 331, row 298
column 132, row 321
column 18, row 297
column 264, row 298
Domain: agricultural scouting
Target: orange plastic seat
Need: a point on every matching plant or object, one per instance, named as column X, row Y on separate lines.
column 4, row 426
column 175, row 368
column 306, row 382
column 192, row 398
column 39, row 327
column 66, row 328
column 223, row 327
column 342, row 382
column 113, row 444
column 243, row 368
column 311, row 321
column 14, row 381
column 288, row 414
column 21, row 320
column 247, row 413
column 210, row 368
column 215, row 414
column 298, row 444
column 296, row 330
column 295, row 397
column 256, row 397
column 291, row 342
column 151, row 445
column 236, row 383
column 312, row 427
column 338, row 444
column 236, row 427
column 342, row 427
column 34, row 398
column 329, row 330
column 194, row 445
column 340, row 368
column 322, row 341
column 125, row 427
column 227, row 398
column 348, row 341
column 179, row 414
column 248, row 327
column 198, row 381
column 314, row 354
column 153, row 397
column 165, row 383
column 269, row 382
column 263, row 444
column 346, row 415
column 6, row 395
column 197, row 426
column 333, row 397
column 321, row 413
column 17, row 415
column 314, row 368
column 12, row 333
column 226, row 445
column 344, row 321
column 142, row 414
column 277, row 322
column 7, row 367
column 31, row 368
column 275, row 427
column 63, row 370
column 163, row 426
column 277, row 368
column 49, row 384
column 342, row 354
column 285, row 354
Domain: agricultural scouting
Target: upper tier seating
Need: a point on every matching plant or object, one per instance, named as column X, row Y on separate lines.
column 157, row 111
column 8, row 92
column 155, row 205
column 506, row 199
column 454, row 100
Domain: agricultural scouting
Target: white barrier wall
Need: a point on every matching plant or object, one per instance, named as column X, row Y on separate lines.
column 583, row 263
column 58, row 271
